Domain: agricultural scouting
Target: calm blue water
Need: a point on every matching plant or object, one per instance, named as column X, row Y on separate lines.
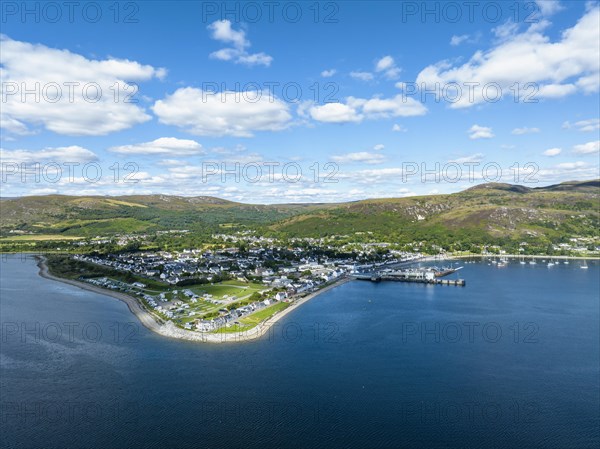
column 511, row 360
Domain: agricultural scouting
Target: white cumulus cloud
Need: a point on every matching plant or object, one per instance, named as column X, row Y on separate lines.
column 364, row 157
column 549, row 7
column 75, row 95
column 480, row 132
column 457, row 40
column 71, row 153
column 357, row 109
column 562, row 67
column 387, row 65
column 169, row 146
column 384, row 63
column 584, row 125
column 524, row 130
column 477, row 157
column 335, row 113
column 587, row 148
column 552, row 152
column 221, row 30
column 225, row 113
column 363, row 76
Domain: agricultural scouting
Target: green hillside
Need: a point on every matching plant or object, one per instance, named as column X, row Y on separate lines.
column 89, row 216
column 500, row 214
column 489, row 213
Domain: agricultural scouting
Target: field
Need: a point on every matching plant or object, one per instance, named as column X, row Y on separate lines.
column 265, row 313
column 254, row 319
column 40, row 238
column 227, row 288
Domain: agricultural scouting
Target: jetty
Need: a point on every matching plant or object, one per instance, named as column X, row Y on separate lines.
column 416, row 275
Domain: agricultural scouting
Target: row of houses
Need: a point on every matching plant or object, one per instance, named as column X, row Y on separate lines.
column 230, row 317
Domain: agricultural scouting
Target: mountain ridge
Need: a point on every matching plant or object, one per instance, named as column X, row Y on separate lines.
column 491, row 212
column 566, row 185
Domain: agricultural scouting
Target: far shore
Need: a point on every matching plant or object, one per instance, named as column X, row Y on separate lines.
column 521, row 256
column 169, row 329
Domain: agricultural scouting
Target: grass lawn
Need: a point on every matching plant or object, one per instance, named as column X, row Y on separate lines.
column 265, row 313
column 229, row 288
column 233, row 329
column 254, row 319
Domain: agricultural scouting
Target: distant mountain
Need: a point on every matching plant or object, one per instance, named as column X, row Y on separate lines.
column 489, row 212
column 102, row 215
column 570, row 186
column 579, row 186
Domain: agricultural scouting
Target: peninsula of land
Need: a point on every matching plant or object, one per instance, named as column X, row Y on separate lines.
column 168, row 329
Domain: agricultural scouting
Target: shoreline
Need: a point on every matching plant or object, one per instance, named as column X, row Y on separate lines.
column 519, row 256
column 147, row 320
column 169, row 329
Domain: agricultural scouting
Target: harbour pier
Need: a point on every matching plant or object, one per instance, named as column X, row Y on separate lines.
column 415, row 275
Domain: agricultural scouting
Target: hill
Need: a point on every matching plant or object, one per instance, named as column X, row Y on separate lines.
column 489, row 213
column 88, row 216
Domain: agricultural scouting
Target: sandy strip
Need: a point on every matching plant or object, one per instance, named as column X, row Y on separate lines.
column 135, row 307
column 169, row 329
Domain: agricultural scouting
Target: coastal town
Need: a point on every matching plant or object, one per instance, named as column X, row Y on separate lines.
column 229, row 289
column 231, row 282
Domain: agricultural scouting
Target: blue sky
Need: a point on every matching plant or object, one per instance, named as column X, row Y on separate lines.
column 360, row 114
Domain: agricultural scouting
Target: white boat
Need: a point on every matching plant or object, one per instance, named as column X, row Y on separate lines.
column 522, row 262
column 566, row 262
column 550, row 264
column 584, row 267
column 532, row 262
